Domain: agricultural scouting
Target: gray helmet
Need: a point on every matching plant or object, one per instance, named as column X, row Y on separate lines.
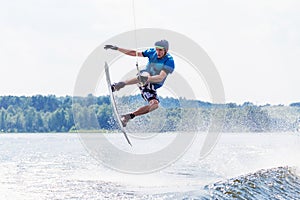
column 162, row 44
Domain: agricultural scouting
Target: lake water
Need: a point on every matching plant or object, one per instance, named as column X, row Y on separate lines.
column 242, row 165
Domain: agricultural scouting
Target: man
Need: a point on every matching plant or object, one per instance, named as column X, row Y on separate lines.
column 160, row 64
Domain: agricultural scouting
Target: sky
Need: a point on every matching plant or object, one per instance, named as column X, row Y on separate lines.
column 254, row 44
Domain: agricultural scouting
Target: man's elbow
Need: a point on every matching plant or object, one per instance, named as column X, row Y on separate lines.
column 160, row 79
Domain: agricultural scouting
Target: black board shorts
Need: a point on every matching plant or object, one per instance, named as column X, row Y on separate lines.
column 148, row 92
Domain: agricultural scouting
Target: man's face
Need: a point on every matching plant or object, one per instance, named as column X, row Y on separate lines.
column 160, row 52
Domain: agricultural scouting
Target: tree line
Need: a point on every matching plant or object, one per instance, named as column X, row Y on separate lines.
column 64, row 114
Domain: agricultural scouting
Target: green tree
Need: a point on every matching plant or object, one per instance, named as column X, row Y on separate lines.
column 3, row 116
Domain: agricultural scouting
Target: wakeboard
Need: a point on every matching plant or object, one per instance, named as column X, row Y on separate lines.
column 113, row 103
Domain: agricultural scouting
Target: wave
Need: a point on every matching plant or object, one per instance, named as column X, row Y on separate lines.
column 275, row 183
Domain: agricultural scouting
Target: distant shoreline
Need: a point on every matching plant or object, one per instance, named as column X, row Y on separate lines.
column 51, row 114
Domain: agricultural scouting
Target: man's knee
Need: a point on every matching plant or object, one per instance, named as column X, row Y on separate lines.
column 154, row 104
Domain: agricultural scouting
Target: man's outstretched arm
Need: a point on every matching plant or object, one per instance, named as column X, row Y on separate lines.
column 125, row 51
column 130, row 52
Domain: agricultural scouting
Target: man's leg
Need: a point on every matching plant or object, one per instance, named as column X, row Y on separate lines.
column 153, row 104
column 120, row 85
column 148, row 93
column 131, row 81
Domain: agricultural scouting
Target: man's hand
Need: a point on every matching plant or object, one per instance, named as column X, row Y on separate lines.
column 143, row 79
column 110, row 47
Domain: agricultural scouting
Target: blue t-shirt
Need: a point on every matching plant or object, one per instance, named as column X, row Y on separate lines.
column 156, row 65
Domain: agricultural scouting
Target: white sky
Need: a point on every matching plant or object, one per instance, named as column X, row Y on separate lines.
column 255, row 44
